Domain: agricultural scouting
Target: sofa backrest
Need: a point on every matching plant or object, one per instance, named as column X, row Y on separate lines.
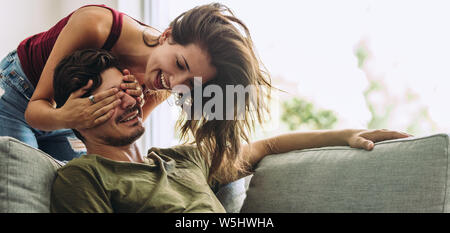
column 405, row 175
column 26, row 177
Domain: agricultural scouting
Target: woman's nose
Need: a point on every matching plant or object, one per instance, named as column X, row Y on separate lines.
column 182, row 79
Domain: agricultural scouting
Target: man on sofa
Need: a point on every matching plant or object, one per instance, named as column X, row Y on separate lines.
column 115, row 177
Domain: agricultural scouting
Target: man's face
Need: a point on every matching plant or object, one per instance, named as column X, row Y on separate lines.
column 125, row 126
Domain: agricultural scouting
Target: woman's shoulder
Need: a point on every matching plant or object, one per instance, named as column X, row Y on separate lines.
column 93, row 14
column 98, row 21
column 90, row 22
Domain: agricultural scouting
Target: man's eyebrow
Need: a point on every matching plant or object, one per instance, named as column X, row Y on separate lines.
column 185, row 62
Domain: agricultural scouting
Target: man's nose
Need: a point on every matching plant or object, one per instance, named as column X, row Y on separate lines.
column 127, row 101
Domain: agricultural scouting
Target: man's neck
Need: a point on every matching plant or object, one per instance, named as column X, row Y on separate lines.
column 128, row 153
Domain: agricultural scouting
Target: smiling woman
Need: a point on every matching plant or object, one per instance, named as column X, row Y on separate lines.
column 216, row 31
column 173, row 64
column 207, row 41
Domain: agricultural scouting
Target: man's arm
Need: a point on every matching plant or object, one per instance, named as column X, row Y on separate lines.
column 76, row 190
column 364, row 139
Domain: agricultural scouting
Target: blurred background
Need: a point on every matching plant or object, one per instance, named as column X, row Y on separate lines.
column 341, row 64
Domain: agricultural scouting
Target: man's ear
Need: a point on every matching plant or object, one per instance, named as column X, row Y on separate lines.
column 165, row 35
column 79, row 135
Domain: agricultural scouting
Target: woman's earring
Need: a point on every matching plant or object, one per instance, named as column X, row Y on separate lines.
column 184, row 100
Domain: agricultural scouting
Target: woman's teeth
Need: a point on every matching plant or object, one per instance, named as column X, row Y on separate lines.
column 163, row 81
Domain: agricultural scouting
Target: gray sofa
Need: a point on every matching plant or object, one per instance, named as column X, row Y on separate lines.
column 406, row 175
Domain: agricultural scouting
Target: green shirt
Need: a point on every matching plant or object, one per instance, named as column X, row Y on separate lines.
column 171, row 180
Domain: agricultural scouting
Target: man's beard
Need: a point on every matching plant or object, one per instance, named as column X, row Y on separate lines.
column 124, row 140
column 114, row 140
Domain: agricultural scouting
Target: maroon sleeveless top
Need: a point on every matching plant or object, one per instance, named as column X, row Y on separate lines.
column 34, row 51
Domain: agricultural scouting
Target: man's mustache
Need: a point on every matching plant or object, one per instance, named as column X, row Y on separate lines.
column 128, row 111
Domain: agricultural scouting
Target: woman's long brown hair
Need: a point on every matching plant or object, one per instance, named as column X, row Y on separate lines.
column 227, row 40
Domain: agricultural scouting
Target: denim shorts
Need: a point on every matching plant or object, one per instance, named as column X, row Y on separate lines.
column 15, row 93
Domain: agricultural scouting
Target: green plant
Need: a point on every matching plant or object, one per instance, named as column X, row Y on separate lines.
column 299, row 113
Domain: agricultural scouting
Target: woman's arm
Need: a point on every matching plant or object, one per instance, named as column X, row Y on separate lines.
column 363, row 139
column 87, row 28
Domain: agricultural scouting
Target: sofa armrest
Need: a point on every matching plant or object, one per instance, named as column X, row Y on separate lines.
column 26, row 177
column 404, row 175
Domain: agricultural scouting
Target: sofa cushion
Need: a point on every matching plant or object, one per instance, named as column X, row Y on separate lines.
column 232, row 195
column 26, row 177
column 405, row 175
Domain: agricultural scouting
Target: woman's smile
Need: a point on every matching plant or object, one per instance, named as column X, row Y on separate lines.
column 161, row 82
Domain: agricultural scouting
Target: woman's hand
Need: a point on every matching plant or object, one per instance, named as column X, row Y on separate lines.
column 148, row 100
column 83, row 113
column 132, row 87
column 365, row 139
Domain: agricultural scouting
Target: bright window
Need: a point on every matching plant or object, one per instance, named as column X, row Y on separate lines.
column 343, row 64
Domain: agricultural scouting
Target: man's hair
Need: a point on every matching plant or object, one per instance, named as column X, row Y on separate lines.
column 75, row 70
